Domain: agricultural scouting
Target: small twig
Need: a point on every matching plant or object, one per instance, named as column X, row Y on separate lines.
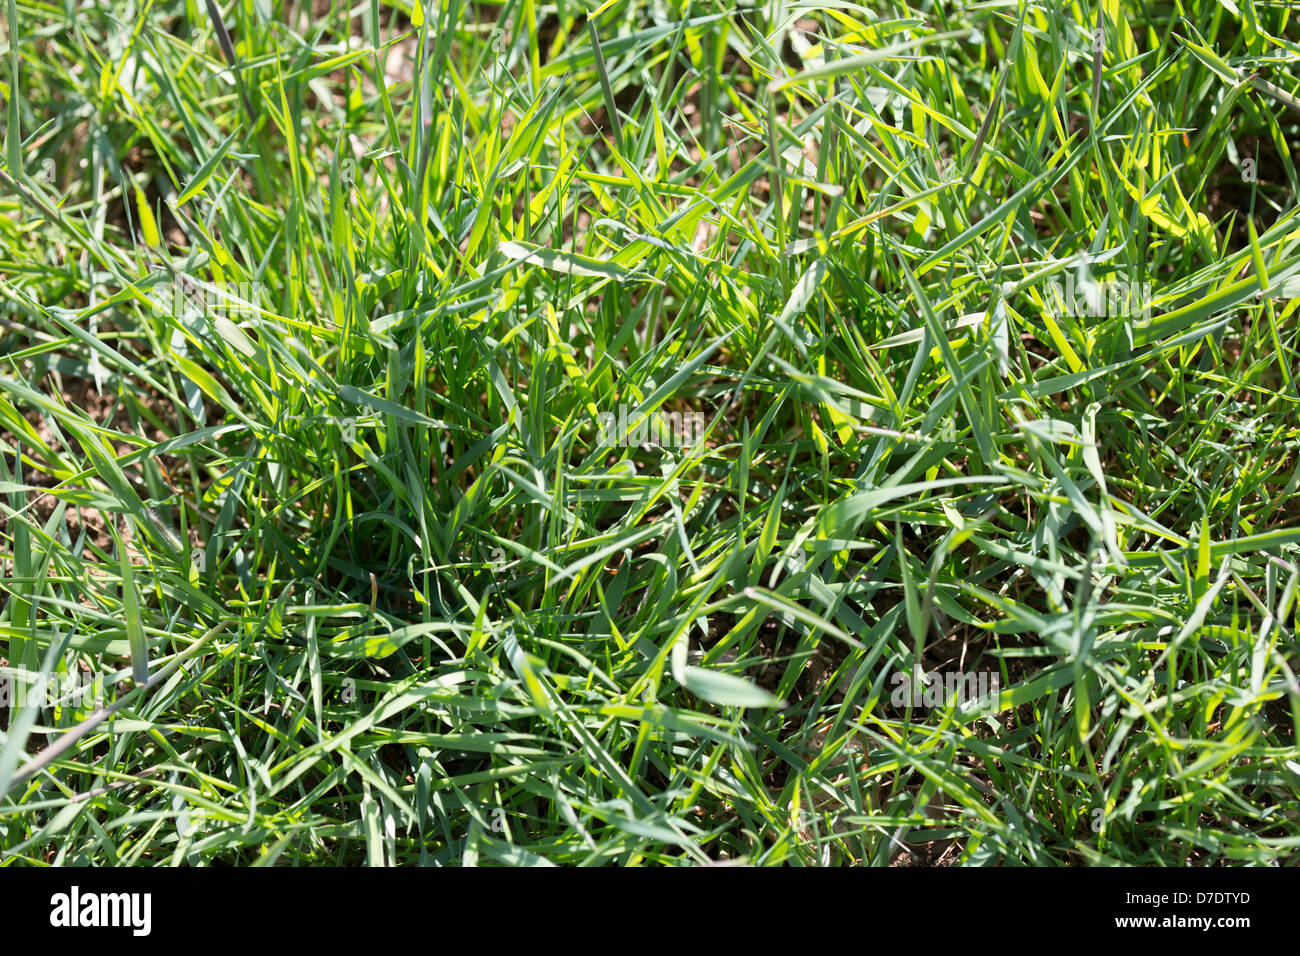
column 1278, row 94
column 228, row 51
column 73, row 734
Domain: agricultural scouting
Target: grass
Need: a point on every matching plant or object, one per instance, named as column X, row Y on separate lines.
column 355, row 575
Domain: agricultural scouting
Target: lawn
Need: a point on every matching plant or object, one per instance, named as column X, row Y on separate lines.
column 654, row 433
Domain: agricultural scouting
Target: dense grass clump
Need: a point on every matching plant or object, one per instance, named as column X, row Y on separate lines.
column 664, row 432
